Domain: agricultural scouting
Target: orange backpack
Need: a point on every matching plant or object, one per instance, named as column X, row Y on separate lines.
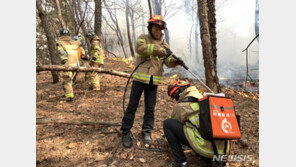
column 79, row 53
column 217, row 118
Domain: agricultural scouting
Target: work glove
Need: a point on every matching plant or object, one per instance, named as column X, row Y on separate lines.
column 93, row 59
column 180, row 62
column 64, row 61
column 85, row 57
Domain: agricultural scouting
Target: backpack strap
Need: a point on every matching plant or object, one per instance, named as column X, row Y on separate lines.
column 225, row 147
column 214, row 147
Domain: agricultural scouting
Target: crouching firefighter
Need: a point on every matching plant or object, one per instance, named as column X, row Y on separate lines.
column 68, row 50
column 152, row 53
column 183, row 126
column 96, row 59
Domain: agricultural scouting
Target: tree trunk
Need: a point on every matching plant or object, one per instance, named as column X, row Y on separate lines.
column 150, row 9
column 132, row 17
column 60, row 17
column 210, row 72
column 213, row 35
column 128, row 29
column 98, row 18
column 82, row 69
column 257, row 19
column 51, row 39
column 143, row 24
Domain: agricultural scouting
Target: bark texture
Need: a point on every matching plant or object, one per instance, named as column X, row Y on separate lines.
column 128, row 28
column 98, row 18
column 213, row 35
column 60, row 17
column 150, row 9
column 209, row 64
column 51, row 38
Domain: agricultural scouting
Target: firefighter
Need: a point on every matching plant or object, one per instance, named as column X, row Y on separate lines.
column 180, row 128
column 96, row 59
column 152, row 53
column 68, row 50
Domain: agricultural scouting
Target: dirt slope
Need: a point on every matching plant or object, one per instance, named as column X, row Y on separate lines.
column 86, row 145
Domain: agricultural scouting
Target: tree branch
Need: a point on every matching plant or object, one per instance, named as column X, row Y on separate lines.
column 75, row 122
column 81, row 69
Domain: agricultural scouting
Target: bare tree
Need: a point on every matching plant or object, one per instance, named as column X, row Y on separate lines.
column 98, row 18
column 60, row 17
column 257, row 19
column 212, row 27
column 117, row 30
column 132, row 17
column 80, row 15
column 128, row 29
column 51, row 38
column 150, row 10
column 213, row 34
column 209, row 61
column 72, row 15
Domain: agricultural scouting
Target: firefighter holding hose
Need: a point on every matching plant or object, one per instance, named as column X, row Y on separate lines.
column 152, row 53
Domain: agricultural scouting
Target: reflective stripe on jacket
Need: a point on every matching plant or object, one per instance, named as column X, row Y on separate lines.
column 189, row 111
column 97, row 51
column 154, row 52
column 68, row 50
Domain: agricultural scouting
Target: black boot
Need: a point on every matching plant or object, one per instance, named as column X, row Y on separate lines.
column 127, row 139
column 146, row 139
column 69, row 99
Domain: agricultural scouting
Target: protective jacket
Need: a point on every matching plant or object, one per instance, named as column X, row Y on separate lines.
column 97, row 51
column 189, row 111
column 154, row 52
column 68, row 49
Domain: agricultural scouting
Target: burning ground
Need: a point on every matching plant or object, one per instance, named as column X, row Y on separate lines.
column 94, row 145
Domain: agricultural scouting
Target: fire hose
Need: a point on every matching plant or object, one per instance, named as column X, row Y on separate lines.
column 175, row 57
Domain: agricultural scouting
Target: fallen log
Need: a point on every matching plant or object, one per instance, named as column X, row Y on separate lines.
column 81, row 69
column 75, row 122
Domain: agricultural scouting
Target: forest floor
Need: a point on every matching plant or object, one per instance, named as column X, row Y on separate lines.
column 91, row 145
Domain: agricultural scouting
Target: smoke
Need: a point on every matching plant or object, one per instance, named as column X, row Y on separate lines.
column 235, row 29
column 196, row 37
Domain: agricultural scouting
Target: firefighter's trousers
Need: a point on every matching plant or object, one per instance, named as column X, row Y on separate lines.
column 83, row 63
column 67, row 83
column 94, row 78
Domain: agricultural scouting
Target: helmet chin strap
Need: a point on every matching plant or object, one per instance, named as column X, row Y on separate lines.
column 149, row 30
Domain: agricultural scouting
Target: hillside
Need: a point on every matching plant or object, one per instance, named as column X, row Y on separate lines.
column 90, row 145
